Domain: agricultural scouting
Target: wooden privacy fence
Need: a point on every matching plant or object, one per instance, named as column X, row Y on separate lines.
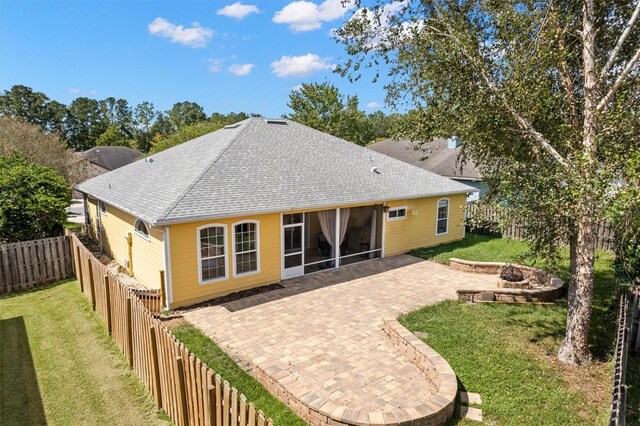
column 493, row 220
column 182, row 385
column 26, row 264
column 619, row 387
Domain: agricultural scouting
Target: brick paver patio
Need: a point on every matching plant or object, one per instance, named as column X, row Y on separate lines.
column 324, row 331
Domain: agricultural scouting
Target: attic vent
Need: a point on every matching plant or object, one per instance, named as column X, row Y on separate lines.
column 273, row 121
column 232, row 126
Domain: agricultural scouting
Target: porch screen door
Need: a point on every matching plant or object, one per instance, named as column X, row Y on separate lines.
column 293, row 245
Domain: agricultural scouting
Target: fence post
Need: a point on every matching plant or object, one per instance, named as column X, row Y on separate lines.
column 163, row 294
column 92, row 285
column 129, row 333
column 80, row 269
column 107, row 299
column 155, row 367
column 182, row 396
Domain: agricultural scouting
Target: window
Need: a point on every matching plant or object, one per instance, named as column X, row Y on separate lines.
column 442, row 221
column 102, row 207
column 397, row 213
column 245, row 247
column 212, row 255
column 140, row 228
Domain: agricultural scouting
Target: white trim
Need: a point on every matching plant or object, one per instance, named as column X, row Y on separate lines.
column 257, row 250
column 283, row 276
column 448, row 211
column 336, row 240
column 383, row 230
column 297, row 209
column 397, row 209
column 167, row 266
column 226, row 254
column 140, row 234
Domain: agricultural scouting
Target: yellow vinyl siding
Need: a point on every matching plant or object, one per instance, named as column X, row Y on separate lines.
column 419, row 230
column 148, row 255
column 185, row 283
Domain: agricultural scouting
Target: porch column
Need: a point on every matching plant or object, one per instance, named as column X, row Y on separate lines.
column 374, row 227
column 336, row 241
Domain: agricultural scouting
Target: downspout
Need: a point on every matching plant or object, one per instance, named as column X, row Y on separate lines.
column 167, row 266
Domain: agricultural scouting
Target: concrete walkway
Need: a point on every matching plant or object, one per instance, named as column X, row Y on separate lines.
column 325, row 330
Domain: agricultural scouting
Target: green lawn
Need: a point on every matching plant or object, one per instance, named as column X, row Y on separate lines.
column 507, row 352
column 58, row 366
column 208, row 352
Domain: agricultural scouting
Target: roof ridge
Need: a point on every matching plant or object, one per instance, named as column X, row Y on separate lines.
column 173, row 205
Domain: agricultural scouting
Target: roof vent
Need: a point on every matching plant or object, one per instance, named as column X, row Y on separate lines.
column 375, row 170
column 232, row 126
column 148, row 160
column 275, row 121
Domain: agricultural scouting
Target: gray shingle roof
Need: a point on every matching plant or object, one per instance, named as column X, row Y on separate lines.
column 433, row 156
column 260, row 167
column 111, row 157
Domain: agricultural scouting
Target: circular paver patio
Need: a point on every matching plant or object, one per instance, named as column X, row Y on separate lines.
column 323, row 332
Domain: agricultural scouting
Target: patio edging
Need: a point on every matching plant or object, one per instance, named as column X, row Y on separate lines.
column 323, row 412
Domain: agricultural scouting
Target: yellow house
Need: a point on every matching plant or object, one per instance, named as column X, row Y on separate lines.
column 261, row 201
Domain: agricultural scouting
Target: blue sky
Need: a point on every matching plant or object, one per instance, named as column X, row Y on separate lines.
column 226, row 59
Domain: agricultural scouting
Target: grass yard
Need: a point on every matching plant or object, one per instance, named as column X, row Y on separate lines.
column 58, row 365
column 507, row 352
column 208, row 352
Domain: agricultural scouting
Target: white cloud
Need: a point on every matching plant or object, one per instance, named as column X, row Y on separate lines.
column 76, row 91
column 374, row 105
column 194, row 36
column 240, row 69
column 238, row 10
column 296, row 88
column 215, row 65
column 300, row 66
column 307, row 16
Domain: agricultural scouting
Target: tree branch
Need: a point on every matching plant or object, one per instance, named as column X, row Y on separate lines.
column 621, row 39
column 621, row 78
column 523, row 123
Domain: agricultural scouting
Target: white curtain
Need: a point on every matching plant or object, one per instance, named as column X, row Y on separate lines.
column 344, row 222
column 327, row 220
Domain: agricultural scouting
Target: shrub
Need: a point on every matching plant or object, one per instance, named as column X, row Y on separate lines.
column 33, row 200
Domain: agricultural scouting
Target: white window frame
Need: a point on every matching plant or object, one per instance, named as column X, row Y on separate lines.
column 140, row 234
column 101, row 204
column 257, row 250
column 226, row 253
column 391, row 219
column 448, row 211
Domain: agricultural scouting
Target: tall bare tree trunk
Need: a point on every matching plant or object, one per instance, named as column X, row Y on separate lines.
column 575, row 348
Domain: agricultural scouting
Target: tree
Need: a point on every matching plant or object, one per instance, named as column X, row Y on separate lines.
column 35, row 145
column 112, row 137
column 543, row 95
column 144, row 115
column 321, row 106
column 185, row 113
column 33, row 200
column 33, row 107
column 86, row 123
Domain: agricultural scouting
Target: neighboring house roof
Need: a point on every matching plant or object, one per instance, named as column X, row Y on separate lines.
column 111, row 157
column 260, row 166
column 433, row 156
